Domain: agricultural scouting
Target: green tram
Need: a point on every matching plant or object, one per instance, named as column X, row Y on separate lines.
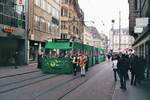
column 57, row 58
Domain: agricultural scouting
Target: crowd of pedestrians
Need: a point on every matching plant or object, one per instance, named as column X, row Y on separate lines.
column 138, row 66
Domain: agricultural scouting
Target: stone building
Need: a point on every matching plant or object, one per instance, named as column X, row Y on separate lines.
column 43, row 24
column 98, row 40
column 12, row 31
column 140, row 9
column 72, row 20
column 124, row 42
column 88, row 39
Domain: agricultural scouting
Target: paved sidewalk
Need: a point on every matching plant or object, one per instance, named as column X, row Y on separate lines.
column 10, row 70
column 139, row 92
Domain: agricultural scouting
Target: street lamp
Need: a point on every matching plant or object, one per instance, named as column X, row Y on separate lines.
column 113, row 21
column 119, row 30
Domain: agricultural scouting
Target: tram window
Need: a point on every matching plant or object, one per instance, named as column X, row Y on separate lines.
column 70, row 44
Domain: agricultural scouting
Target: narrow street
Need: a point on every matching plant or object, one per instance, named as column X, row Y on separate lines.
column 98, row 84
column 46, row 46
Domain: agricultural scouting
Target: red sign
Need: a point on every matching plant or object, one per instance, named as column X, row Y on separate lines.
column 8, row 29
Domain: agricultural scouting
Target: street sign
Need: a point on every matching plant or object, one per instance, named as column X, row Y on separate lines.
column 138, row 29
column 8, row 29
column 142, row 22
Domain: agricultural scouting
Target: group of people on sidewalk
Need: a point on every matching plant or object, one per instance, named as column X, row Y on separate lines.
column 80, row 61
column 137, row 65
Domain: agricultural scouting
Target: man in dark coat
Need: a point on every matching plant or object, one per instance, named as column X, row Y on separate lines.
column 123, row 67
column 147, row 66
column 134, row 69
column 75, row 63
column 39, row 60
column 141, row 69
column 15, row 57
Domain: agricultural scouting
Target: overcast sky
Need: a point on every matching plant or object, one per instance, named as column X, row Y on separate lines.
column 103, row 11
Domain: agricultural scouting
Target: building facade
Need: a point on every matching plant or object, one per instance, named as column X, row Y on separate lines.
column 104, row 43
column 121, row 44
column 87, row 36
column 98, row 40
column 133, row 13
column 43, row 24
column 141, row 8
column 12, row 31
column 72, row 21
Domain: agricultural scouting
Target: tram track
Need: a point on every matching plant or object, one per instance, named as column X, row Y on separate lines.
column 27, row 84
column 79, row 85
column 20, row 81
column 7, row 76
column 66, row 83
column 53, row 88
column 72, row 89
column 50, row 90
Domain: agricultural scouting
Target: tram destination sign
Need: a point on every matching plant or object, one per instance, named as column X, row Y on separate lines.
column 60, row 40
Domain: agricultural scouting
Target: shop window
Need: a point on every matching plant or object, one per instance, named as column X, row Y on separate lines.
column 1, row 8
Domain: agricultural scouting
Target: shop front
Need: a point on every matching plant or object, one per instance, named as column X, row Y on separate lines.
column 8, row 47
column 34, row 48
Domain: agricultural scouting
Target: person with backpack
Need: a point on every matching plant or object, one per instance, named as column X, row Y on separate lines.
column 134, row 69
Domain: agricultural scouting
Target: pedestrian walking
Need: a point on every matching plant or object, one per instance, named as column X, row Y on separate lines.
column 40, row 56
column 86, row 62
column 141, row 69
column 75, row 63
column 123, row 68
column 134, row 69
column 114, row 66
column 82, row 64
column 128, row 62
column 109, row 57
column 13, row 59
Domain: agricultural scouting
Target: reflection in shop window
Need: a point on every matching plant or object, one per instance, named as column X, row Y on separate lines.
column 33, row 53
